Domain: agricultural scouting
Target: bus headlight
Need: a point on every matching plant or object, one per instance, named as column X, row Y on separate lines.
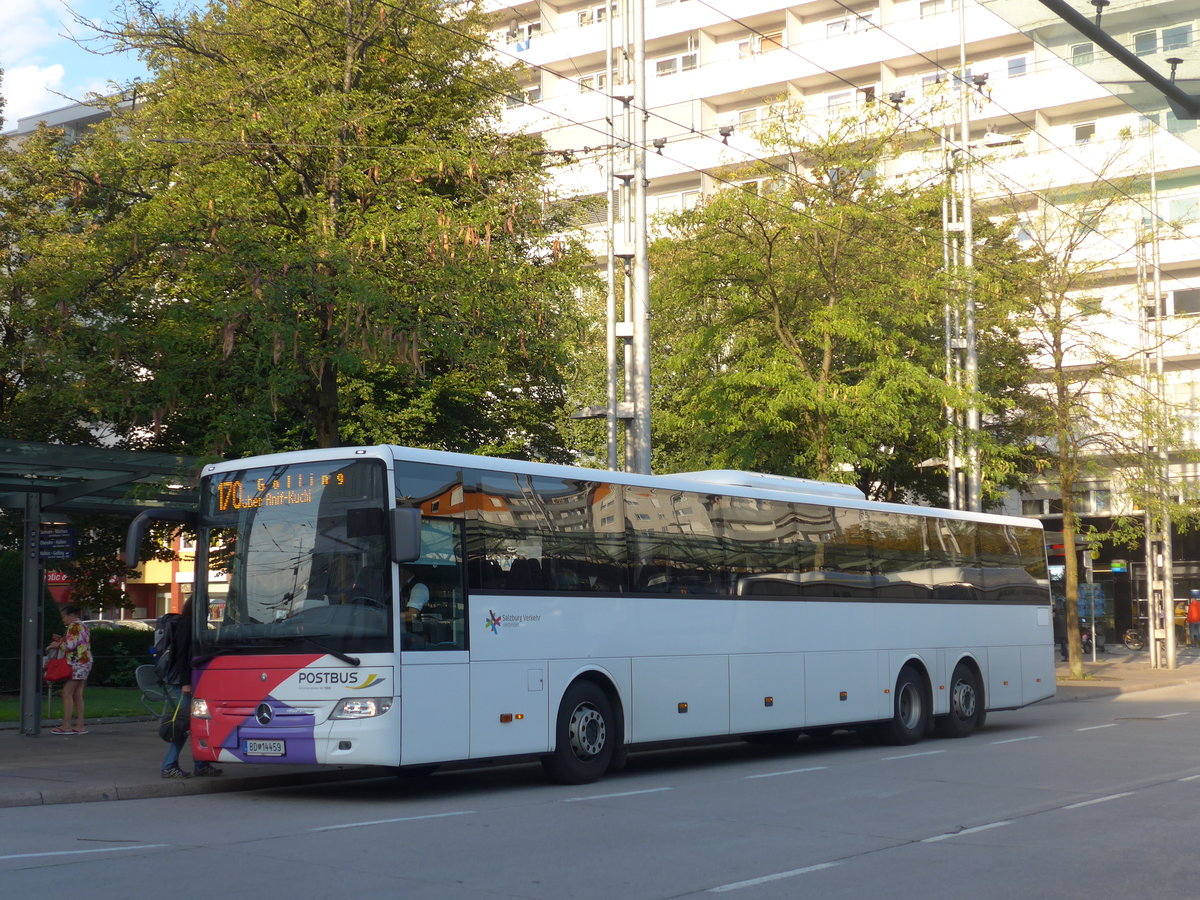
column 199, row 708
column 361, row 707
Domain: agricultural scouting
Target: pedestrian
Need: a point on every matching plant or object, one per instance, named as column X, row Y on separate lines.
column 76, row 644
column 1060, row 633
column 1193, row 619
column 177, row 683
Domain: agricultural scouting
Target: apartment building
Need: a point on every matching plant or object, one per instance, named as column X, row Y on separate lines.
column 1051, row 114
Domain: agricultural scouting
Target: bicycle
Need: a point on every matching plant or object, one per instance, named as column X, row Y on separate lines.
column 1134, row 639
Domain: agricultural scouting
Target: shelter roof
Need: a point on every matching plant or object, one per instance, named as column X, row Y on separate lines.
column 95, row 479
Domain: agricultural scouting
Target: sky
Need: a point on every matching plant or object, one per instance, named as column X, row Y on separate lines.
column 43, row 69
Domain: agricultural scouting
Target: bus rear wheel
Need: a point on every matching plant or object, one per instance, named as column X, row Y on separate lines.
column 910, row 710
column 584, row 736
column 966, row 704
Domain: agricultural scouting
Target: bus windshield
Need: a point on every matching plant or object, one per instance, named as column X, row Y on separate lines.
column 305, row 551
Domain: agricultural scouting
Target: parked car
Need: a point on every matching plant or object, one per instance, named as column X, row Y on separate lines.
column 133, row 624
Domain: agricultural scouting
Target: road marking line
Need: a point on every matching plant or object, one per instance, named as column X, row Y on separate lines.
column 1191, row 778
column 1094, row 727
column 788, row 772
column 1032, row 737
column 911, row 755
column 768, row 878
column 622, row 794
column 943, row 837
column 465, row 812
column 1098, row 800
column 74, row 852
column 1171, row 715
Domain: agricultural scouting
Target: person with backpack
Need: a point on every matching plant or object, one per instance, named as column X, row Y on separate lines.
column 173, row 663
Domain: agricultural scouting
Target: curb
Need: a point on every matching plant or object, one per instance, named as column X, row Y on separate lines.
column 187, row 787
column 105, row 720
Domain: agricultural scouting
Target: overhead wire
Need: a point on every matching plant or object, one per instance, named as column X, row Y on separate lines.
column 1032, row 128
column 721, row 179
column 587, row 125
column 964, row 147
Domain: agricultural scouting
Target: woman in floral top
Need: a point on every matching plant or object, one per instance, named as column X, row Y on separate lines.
column 77, row 644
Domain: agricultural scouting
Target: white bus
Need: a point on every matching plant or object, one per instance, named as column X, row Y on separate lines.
column 400, row 607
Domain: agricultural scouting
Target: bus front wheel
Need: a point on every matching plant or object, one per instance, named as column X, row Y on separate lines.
column 910, row 710
column 584, row 736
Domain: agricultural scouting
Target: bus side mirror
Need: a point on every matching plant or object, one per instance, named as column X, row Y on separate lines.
column 406, row 534
column 141, row 523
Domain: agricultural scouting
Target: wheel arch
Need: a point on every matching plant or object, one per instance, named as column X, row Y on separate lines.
column 606, row 682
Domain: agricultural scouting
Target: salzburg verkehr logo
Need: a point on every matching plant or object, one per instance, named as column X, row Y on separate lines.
column 493, row 622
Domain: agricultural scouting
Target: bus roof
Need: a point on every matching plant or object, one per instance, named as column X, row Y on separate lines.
column 723, row 481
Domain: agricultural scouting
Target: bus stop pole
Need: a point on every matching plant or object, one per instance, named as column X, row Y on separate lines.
column 31, row 618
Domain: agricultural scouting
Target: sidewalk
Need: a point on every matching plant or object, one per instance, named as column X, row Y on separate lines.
column 1121, row 671
column 120, row 760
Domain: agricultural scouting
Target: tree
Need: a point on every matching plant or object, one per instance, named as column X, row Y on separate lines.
column 312, row 204
column 1091, row 400
column 40, row 397
column 800, row 318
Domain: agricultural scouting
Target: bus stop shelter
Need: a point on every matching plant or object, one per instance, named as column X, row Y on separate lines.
column 48, row 483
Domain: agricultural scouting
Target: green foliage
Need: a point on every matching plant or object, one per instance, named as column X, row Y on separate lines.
column 309, row 229
column 116, row 653
column 10, row 620
column 800, row 326
column 96, row 573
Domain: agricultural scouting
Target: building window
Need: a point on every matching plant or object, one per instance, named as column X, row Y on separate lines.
column 1145, row 43
column 1187, row 303
column 672, row 65
column 595, row 14
column 524, row 97
column 1082, row 54
column 1084, row 132
column 676, row 202
column 937, row 7
column 596, row 82
column 748, row 119
column 1184, row 210
column 1177, row 38
column 1016, row 66
column 839, row 102
column 1175, row 125
column 1033, row 507
column 931, row 83
column 760, row 43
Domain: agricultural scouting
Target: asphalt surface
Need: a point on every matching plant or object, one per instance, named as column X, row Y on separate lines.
column 120, row 759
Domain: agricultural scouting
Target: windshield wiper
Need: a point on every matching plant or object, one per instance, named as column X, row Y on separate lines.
column 344, row 657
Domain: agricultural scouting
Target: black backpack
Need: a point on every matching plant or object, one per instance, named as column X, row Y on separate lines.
column 166, row 662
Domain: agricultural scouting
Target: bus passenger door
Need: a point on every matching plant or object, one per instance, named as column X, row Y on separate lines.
column 434, row 685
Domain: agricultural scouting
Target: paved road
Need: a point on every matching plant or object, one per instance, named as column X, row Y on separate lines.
column 1096, row 799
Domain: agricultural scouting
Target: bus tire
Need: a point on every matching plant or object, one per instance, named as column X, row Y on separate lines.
column 584, row 736
column 966, row 704
column 910, row 710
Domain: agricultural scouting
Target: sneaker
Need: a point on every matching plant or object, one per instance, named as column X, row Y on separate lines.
column 207, row 769
column 175, row 772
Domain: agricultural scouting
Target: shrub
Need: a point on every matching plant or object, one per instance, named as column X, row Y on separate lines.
column 10, row 620
column 116, row 653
